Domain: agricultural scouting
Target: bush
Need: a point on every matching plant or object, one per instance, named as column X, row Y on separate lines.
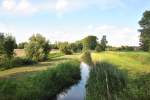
column 16, row 62
column 86, row 57
column 98, row 48
column 38, row 48
column 65, row 48
column 41, row 86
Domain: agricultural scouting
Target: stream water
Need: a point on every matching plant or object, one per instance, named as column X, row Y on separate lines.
column 77, row 91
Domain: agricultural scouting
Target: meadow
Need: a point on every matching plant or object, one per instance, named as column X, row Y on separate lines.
column 121, row 76
column 126, row 73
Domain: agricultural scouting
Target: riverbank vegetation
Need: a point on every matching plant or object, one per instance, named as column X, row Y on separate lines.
column 43, row 85
column 122, row 75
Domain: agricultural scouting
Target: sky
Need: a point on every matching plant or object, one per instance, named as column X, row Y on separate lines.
column 71, row 20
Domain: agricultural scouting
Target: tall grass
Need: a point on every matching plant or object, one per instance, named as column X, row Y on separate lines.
column 137, row 66
column 106, row 83
column 41, row 86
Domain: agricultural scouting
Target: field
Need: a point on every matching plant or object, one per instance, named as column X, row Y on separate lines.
column 55, row 57
column 127, row 75
column 134, row 62
column 132, row 69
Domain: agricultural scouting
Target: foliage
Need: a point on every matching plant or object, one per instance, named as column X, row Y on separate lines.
column 89, row 43
column 106, row 82
column 137, row 65
column 126, row 48
column 145, row 31
column 65, row 48
column 16, row 62
column 38, row 48
column 139, row 88
column 98, row 48
column 86, row 57
column 43, row 85
column 7, row 45
column 104, row 43
column 22, row 45
column 79, row 45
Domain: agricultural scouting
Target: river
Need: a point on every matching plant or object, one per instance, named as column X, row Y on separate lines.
column 77, row 91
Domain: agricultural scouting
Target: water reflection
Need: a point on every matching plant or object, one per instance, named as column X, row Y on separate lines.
column 77, row 91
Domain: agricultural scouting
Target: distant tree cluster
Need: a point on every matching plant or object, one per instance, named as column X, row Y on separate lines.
column 145, row 31
column 22, row 45
column 89, row 43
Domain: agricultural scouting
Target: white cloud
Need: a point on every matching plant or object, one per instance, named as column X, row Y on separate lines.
column 24, row 6
column 8, row 4
column 118, row 35
column 58, row 6
column 61, row 5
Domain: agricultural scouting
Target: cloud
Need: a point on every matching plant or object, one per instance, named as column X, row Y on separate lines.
column 118, row 35
column 58, row 6
column 24, row 6
column 8, row 4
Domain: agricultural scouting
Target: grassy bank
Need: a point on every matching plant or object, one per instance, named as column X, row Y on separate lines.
column 136, row 63
column 137, row 83
column 106, row 82
column 43, row 85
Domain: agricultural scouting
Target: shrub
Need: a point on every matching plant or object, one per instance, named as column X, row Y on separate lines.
column 38, row 48
column 86, row 57
column 43, row 85
column 65, row 48
column 98, row 48
column 16, row 62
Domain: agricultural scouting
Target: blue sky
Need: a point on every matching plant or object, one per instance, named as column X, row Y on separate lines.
column 71, row 20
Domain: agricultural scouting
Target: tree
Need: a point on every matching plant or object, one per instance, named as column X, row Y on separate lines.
column 89, row 43
column 7, row 45
column 38, row 48
column 104, row 43
column 65, row 48
column 98, row 48
column 22, row 45
column 1, row 43
column 145, row 31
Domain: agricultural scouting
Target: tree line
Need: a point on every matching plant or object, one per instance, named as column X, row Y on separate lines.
column 39, row 47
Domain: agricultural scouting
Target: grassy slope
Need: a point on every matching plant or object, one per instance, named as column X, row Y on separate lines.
column 134, row 62
column 41, row 86
column 54, row 60
column 137, row 64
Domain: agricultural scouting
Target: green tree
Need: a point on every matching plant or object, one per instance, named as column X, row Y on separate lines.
column 104, row 43
column 89, row 43
column 22, row 45
column 98, row 48
column 7, row 45
column 1, row 43
column 145, row 31
column 65, row 48
column 37, row 48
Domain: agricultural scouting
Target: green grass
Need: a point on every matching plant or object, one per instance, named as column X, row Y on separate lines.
column 23, row 70
column 137, row 66
column 43, row 85
column 134, row 62
column 106, row 82
column 55, row 55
